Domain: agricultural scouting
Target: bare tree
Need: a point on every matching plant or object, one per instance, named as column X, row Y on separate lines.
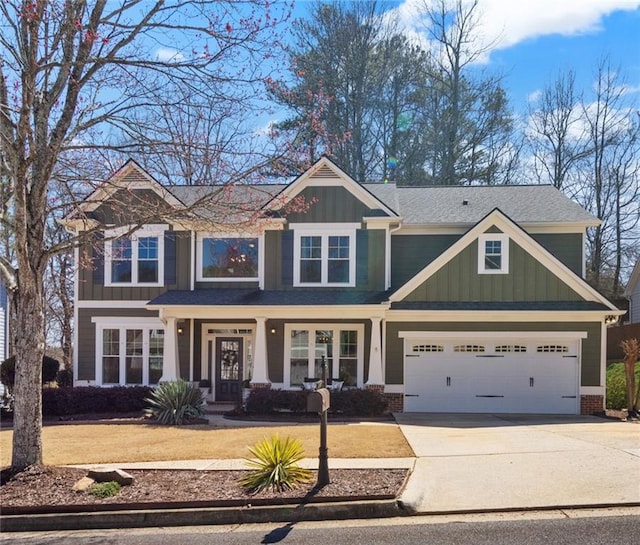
column 631, row 349
column 78, row 75
column 556, row 136
column 610, row 177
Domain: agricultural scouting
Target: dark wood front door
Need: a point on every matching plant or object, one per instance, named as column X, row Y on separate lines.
column 228, row 369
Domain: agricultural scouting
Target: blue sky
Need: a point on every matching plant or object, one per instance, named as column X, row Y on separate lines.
column 534, row 39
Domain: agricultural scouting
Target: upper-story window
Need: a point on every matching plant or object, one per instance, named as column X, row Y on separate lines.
column 135, row 259
column 493, row 254
column 228, row 258
column 324, row 255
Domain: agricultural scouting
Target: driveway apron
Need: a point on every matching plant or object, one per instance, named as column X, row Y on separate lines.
column 491, row 462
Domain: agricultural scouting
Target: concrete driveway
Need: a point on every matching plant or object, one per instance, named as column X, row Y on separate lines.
column 483, row 462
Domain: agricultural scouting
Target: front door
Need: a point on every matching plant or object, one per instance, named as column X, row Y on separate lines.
column 228, row 369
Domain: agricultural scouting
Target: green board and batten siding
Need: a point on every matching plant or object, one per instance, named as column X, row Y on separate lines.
column 590, row 368
column 527, row 280
column 86, row 347
column 332, row 204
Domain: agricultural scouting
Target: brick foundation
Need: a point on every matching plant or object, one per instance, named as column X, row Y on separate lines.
column 591, row 404
column 396, row 402
column 261, row 386
column 376, row 387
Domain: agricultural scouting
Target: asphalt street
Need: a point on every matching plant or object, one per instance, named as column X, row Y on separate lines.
column 590, row 527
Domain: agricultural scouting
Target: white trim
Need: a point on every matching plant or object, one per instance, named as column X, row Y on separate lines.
column 504, row 253
column 593, row 390
column 447, row 335
column 489, row 316
column 111, row 303
column 76, row 313
column 201, row 236
column 394, row 388
column 307, row 179
column 191, row 346
column 521, row 238
column 288, row 327
column 123, row 323
column 531, row 228
column 150, row 231
column 324, row 231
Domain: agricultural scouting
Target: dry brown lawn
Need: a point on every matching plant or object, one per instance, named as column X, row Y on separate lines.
column 105, row 443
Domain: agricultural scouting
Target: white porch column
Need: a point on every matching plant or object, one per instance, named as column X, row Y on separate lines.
column 260, row 372
column 170, row 360
column 375, row 354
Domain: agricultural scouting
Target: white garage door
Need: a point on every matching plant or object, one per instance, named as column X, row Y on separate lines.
column 491, row 375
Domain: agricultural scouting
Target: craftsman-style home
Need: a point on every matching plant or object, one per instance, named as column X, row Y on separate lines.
column 447, row 299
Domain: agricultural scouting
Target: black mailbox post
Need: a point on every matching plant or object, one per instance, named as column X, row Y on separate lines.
column 319, row 402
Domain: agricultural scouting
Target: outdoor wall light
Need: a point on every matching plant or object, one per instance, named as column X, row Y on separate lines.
column 273, row 330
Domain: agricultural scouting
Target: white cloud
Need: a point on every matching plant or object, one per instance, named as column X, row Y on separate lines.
column 504, row 23
column 534, row 96
column 167, row 54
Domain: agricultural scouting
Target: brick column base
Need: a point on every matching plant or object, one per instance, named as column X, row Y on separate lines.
column 395, row 402
column 591, row 404
column 260, row 385
column 375, row 387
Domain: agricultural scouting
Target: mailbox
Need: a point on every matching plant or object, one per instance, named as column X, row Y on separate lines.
column 318, row 400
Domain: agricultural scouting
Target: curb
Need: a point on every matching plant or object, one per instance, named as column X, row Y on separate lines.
column 141, row 518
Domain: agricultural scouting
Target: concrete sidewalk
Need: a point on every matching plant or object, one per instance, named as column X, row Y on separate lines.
column 503, row 462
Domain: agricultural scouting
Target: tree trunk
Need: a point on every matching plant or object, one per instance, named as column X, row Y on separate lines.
column 28, row 309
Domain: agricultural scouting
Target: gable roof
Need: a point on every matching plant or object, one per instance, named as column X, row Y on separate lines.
column 130, row 176
column 443, row 205
column 326, row 173
column 519, row 236
column 633, row 280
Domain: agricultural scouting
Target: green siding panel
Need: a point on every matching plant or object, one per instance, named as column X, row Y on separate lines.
column 567, row 247
column 527, row 280
column 329, row 204
column 412, row 253
column 590, row 365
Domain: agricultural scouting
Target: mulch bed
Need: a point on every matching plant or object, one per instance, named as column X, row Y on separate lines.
column 47, row 489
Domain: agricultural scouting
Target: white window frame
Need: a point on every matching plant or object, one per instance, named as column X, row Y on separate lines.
column 145, row 231
column 312, row 328
column 199, row 253
column 324, row 231
column 123, row 324
column 504, row 255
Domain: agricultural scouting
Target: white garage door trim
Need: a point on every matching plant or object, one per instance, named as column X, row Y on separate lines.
column 507, row 372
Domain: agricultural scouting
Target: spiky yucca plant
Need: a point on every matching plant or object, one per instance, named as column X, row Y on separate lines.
column 175, row 403
column 276, row 465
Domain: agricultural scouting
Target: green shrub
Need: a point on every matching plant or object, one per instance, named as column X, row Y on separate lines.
column 276, row 465
column 175, row 403
column 64, row 378
column 358, row 403
column 105, row 490
column 92, row 399
column 50, row 368
column 617, row 385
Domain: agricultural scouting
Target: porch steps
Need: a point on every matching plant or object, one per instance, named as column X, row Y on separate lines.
column 218, row 407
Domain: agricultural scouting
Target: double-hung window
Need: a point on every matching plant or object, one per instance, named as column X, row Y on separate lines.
column 135, row 259
column 324, row 256
column 493, row 254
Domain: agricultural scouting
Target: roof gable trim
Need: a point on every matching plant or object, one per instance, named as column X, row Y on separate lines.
column 325, row 173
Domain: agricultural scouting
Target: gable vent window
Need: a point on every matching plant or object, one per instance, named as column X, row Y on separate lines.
column 493, row 254
column 511, row 348
column 427, row 348
column 552, row 348
column 468, row 348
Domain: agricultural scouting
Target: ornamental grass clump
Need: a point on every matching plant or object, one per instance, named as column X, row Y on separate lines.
column 175, row 403
column 276, row 466
column 105, row 490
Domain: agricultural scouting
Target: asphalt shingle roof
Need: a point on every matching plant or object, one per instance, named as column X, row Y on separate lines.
column 444, row 204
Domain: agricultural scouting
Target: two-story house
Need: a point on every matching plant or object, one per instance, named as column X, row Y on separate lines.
column 447, row 299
